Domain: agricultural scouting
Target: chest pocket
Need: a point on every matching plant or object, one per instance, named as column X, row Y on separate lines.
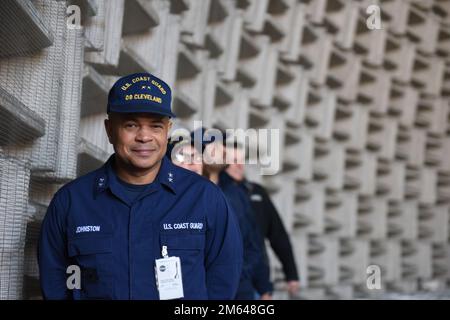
column 94, row 257
column 189, row 247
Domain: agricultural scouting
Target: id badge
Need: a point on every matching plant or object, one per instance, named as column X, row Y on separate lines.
column 168, row 278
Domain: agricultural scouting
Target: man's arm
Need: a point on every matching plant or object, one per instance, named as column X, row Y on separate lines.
column 261, row 270
column 261, row 276
column 224, row 251
column 52, row 256
column 279, row 239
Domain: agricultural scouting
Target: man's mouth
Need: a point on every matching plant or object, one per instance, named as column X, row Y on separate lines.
column 143, row 152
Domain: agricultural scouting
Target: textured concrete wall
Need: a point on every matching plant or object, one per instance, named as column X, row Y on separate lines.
column 362, row 116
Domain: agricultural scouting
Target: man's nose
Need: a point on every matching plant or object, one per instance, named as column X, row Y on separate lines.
column 144, row 135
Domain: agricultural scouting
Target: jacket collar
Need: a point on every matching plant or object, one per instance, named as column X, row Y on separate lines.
column 225, row 179
column 106, row 178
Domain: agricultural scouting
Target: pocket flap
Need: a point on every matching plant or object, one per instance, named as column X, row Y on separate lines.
column 183, row 241
column 89, row 245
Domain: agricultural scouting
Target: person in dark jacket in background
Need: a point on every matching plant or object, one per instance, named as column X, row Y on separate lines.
column 259, row 278
column 268, row 220
column 256, row 272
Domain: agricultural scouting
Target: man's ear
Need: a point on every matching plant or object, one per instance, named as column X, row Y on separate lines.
column 169, row 124
column 108, row 128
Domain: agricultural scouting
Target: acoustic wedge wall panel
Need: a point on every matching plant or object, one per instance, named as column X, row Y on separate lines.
column 361, row 117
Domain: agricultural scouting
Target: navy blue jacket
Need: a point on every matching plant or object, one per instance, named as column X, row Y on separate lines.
column 256, row 273
column 91, row 224
column 272, row 227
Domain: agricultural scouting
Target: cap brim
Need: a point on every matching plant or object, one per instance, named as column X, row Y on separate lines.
column 140, row 109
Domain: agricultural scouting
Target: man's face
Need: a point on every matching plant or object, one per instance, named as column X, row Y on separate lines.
column 236, row 168
column 186, row 156
column 214, row 157
column 139, row 139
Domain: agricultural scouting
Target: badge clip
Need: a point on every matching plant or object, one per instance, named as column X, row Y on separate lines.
column 164, row 252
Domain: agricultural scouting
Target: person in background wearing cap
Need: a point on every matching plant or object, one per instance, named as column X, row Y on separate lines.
column 139, row 218
column 184, row 154
column 256, row 272
column 268, row 219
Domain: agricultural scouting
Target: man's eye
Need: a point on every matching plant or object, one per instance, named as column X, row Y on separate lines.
column 157, row 126
column 130, row 125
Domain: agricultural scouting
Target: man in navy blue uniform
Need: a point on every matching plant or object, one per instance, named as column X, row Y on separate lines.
column 267, row 218
column 115, row 222
column 255, row 271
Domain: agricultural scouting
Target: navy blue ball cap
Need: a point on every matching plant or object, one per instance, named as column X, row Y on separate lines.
column 140, row 92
